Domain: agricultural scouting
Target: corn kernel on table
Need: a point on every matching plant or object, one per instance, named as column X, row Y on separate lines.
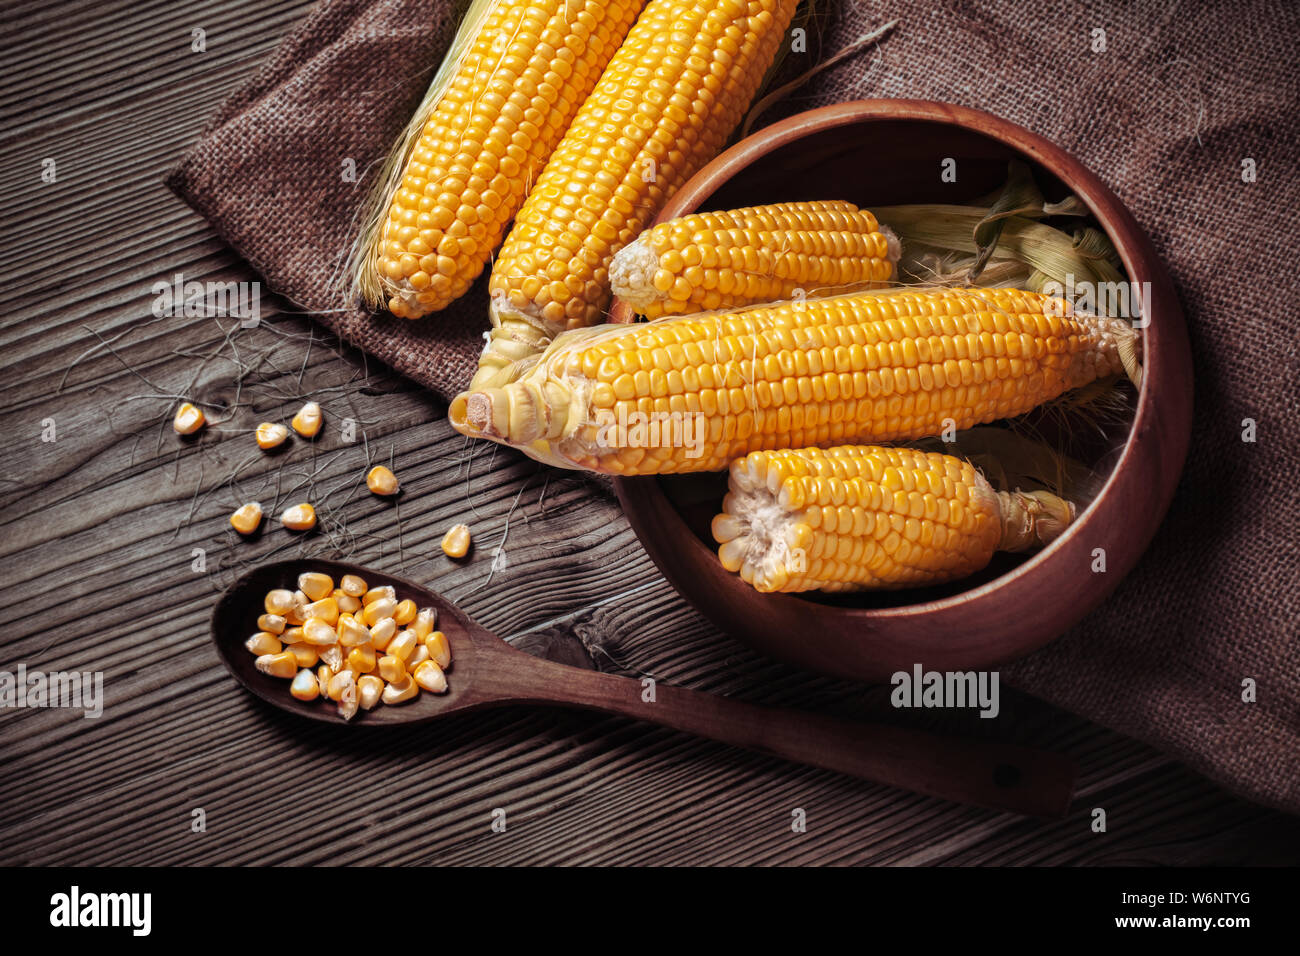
column 117, row 542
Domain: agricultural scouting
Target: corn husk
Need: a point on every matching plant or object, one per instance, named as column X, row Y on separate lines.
column 982, row 243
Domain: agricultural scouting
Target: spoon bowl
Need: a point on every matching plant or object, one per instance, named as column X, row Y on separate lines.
column 235, row 619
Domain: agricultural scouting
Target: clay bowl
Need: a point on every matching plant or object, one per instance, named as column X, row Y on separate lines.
column 887, row 152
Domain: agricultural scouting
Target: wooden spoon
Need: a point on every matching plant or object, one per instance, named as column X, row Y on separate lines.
column 488, row 672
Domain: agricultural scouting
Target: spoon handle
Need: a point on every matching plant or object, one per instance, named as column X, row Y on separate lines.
column 985, row 773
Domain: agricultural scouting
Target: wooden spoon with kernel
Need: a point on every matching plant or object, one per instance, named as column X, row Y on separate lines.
column 487, row 672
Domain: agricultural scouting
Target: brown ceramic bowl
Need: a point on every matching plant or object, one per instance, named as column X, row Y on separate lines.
column 888, row 152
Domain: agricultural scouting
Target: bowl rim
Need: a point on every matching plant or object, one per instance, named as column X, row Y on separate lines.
column 1160, row 339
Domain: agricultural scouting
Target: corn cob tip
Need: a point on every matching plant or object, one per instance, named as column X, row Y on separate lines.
column 632, row 273
column 893, row 243
column 469, row 412
column 518, row 413
column 1032, row 519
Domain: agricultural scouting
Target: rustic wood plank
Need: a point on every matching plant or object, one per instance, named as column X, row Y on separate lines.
column 99, row 527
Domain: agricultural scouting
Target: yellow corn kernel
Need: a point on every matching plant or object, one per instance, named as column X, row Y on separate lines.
column 349, row 701
column 271, row 435
column 353, row 586
column 425, row 621
column 430, row 677
column 338, row 683
column 369, row 690
column 381, row 481
column 331, row 655
column 352, row 633
column 324, row 674
column 439, row 649
column 323, row 610
column 392, row 668
column 346, row 602
column 292, row 635
column 315, row 586
column 739, row 257
column 343, row 688
column 402, row 644
column 264, row 643
column 295, row 616
column 279, row 602
column 305, row 686
column 299, row 517
column 419, row 655
column 282, row 664
column 382, row 633
column 455, row 543
column 189, row 419
column 378, row 593
column 362, row 659
column 308, row 420
column 307, row 655
column 247, row 518
column 376, row 611
column 319, row 633
column 405, row 612
column 271, row 623
column 866, row 367
column 400, row 691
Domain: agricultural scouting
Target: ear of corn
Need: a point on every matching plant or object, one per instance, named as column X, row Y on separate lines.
column 673, row 92
column 691, row 393
column 508, row 89
column 864, row 517
column 739, row 257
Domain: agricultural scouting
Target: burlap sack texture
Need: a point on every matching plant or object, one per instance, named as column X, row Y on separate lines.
column 1166, row 114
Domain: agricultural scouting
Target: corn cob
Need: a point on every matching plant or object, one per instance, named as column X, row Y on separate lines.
column 692, row 392
column 508, row 91
column 864, row 517
column 664, row 107
column 722, row 260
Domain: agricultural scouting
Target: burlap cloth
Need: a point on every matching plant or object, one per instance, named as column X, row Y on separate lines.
column 1166, row 114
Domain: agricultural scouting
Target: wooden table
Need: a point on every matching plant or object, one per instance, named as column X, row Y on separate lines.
column 101, row 527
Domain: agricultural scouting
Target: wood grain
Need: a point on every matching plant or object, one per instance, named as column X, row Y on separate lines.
column 99, row 527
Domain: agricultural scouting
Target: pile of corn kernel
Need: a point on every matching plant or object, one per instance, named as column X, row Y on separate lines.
column 366, row 646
